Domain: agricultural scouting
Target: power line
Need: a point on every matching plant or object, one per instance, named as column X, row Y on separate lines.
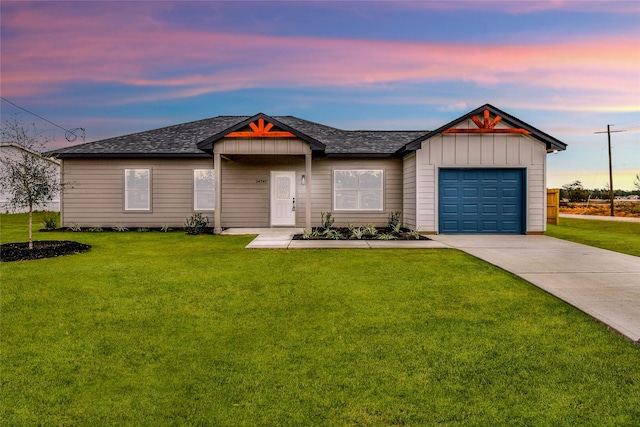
column 70, row 134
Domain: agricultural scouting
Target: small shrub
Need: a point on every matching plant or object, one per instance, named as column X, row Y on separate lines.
column 415, row 234
column 165, row 228
column 394, row 223
column 370, row 230
column 120, row 229
column 387, row 236
column 306, row 234
column 396, row 229
column 356, row 232
column 327, row 220
column 50, row 222
column 75, row 227
column 394, row 220
column 96, row 229
column 333, row 235
column 142, row 229
column 196, row 224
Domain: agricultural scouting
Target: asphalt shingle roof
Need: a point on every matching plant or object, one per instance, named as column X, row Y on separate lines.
column 182, row 139
column 340, row 141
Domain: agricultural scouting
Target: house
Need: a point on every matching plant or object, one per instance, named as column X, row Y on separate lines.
column 481, row 173
column 13, row 151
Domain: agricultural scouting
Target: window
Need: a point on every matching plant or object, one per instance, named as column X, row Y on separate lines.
column 358, row 190
column 204, row 190
column 137, row 185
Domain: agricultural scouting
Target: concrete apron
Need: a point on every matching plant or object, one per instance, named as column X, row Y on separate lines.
column 601, row 283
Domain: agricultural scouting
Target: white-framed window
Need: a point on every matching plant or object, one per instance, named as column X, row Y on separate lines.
column 358, row 190
column 204, row 190
column 137, row 189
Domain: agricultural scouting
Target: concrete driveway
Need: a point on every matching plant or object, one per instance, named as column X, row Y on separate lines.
column 601, row 283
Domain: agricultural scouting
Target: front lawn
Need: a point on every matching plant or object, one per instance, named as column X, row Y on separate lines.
column 612, row 235
column 169, row 329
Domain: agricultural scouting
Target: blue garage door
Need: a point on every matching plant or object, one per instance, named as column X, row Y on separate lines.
column 481, row 201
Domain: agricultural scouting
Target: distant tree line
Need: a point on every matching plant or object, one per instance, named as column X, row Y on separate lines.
column 575, row 192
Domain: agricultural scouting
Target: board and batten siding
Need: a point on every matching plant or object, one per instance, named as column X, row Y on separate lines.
column 322, row 190
column 409, row 191
column 260, row 146
column 93, row 195
column 480, row 151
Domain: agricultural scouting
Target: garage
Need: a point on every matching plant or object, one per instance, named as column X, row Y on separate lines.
column 473, row 201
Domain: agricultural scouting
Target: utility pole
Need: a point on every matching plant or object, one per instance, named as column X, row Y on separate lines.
column 610, row 168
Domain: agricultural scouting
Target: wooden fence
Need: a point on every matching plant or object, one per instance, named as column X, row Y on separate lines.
column 553, row 206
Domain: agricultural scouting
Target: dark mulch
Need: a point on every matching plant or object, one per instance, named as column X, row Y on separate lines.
column 41, row 249
column 346, row 235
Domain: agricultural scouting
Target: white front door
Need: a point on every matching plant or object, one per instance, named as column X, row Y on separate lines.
column 283, row 202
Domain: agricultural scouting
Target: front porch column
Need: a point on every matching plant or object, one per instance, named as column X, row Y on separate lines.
column 307, row 164
column 217, row 168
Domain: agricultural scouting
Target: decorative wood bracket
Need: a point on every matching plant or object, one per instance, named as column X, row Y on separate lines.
column 487, row 126
column 260, row 131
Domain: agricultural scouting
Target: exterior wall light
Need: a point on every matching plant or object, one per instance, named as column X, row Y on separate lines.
column 303, row 180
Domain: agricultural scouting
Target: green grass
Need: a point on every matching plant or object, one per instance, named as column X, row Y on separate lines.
column 170, row 329
column 612, row 235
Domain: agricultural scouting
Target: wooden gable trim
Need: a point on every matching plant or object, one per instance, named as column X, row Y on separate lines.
column 488, row 126
column 260, row 131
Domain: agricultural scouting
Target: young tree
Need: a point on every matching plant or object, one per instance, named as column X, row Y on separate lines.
column 28, row 178
column 574, row 192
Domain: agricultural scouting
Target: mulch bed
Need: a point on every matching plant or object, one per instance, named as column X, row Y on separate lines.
column 41, row 249
column 346, row 235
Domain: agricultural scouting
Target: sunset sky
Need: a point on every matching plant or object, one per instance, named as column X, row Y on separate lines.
column 568, row 68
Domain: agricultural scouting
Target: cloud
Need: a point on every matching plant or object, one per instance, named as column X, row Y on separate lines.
column 519, row 7
column 458, row 106
column 45, row 50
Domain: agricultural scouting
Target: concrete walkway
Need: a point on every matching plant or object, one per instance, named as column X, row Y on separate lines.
column 281, row 238
column 601, row 283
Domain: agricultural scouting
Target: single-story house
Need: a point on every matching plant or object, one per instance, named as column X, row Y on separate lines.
column 14, row 152
column 484, row 172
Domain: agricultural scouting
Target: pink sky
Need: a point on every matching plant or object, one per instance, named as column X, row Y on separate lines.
column 109, row 65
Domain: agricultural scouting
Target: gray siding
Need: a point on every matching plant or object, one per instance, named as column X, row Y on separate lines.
column 246, row 191
column 246, row 199
column 94, row 192
column 322, row 190
column 477, row 151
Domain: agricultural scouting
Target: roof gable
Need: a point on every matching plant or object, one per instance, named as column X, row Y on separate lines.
column 254, row 127
column 487, row 124
column 19, row 148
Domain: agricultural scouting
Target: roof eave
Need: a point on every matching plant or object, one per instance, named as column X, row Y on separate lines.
column 129, row 155
column 362, row 155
